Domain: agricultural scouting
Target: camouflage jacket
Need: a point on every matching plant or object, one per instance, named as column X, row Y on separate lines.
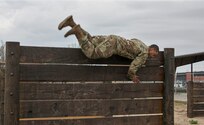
column 133, row 49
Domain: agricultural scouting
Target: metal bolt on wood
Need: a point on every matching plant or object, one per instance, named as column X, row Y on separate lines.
column 11, row 113
column 12, row 53
column 16, row 72
column 11, row 93
column 11, row 106
column 11, row 74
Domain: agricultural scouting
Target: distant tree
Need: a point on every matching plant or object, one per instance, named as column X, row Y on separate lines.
column 2, row 46
column 2, row 59
column 73, row 45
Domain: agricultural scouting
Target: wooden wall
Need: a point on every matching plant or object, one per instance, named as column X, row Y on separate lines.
column 195, row 99
column 59, row 86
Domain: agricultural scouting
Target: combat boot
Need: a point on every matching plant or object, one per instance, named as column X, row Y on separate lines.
column 67, row 22
column 77, row 31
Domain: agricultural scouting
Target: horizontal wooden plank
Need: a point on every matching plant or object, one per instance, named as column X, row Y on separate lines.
column 56, row 108
column 198, row 106
column 198, row 113
column 49, row 91
column 198, row 99
column 73, row 56
column 197, row 93
column 132, row 120
column 86, row 73
column 198, row 85
column 188, row 59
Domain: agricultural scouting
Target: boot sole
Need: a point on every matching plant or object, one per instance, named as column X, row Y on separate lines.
column 62, row 24
column 70, row 32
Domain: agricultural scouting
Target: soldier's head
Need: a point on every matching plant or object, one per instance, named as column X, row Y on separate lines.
column 153, row 50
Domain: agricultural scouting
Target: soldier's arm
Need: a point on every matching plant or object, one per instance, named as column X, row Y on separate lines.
column 136, row 64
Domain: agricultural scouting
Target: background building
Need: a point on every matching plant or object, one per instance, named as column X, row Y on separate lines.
column 183, row 78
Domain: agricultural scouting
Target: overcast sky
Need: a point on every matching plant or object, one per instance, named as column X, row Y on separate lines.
column 175, row 24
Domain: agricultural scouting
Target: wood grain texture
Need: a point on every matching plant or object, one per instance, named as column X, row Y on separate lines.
column 198, row 106
column 74, row 56
column 169, row 64
column 198, row 113
column 39, row 100
column 198, row 93
column 2, row 81
column 57, row 108
column 133, row 120
column 190, row 99
column 198, row 99
column 11, row 98
column 85, row 73
column 189, row 59
column 197, row 85
column 195, row 100
column 56, row 91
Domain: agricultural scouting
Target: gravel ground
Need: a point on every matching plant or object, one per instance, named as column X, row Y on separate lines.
column 180, row 97
column 180, row 111
column 180, row 115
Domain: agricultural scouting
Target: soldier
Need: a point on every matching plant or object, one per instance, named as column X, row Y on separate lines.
column 95, row 47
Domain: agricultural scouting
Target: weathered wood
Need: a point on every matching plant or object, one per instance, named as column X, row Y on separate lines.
column 169, row 64
column 198, row 99
column 2, row 100
column 73, row 56
column 188, row 59
column 59, row 100
column 11, row 100
column 85, row 73
column 190, row 99
column 198, row 93
column 198, row 113
column 131, row 120
column 56, row 108
column 50, row 91
column 199, row 85
column 195, row 102
column 198, row 106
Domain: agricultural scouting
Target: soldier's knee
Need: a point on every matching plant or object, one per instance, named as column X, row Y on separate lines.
column 88, row 53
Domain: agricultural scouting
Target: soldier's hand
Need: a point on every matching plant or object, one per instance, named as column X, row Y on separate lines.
column 135, row 79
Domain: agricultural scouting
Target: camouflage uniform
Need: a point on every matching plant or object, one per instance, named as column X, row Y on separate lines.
column 106, row 46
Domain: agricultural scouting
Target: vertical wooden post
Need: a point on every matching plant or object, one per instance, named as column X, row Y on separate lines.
column 11, row 97
column 168, row 98
column 192, row 75
column 2, row 100
column 190, row 99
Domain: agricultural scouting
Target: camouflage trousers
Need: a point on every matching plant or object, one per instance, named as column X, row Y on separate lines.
column 100, row 46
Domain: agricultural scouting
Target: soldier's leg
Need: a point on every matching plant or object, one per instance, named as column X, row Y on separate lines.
column 85, row 43
column 70, row 22
column 107, row 47
column 96, row 47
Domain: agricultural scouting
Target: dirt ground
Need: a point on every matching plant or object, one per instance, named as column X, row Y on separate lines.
column 180, row 115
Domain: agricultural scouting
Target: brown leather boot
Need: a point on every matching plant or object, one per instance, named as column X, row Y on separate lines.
column 77, row 31
column 67, row 22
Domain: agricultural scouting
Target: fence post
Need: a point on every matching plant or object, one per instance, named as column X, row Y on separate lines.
column 11, row 96
column 190, row 99
column 168, row 98
column 2, row 100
